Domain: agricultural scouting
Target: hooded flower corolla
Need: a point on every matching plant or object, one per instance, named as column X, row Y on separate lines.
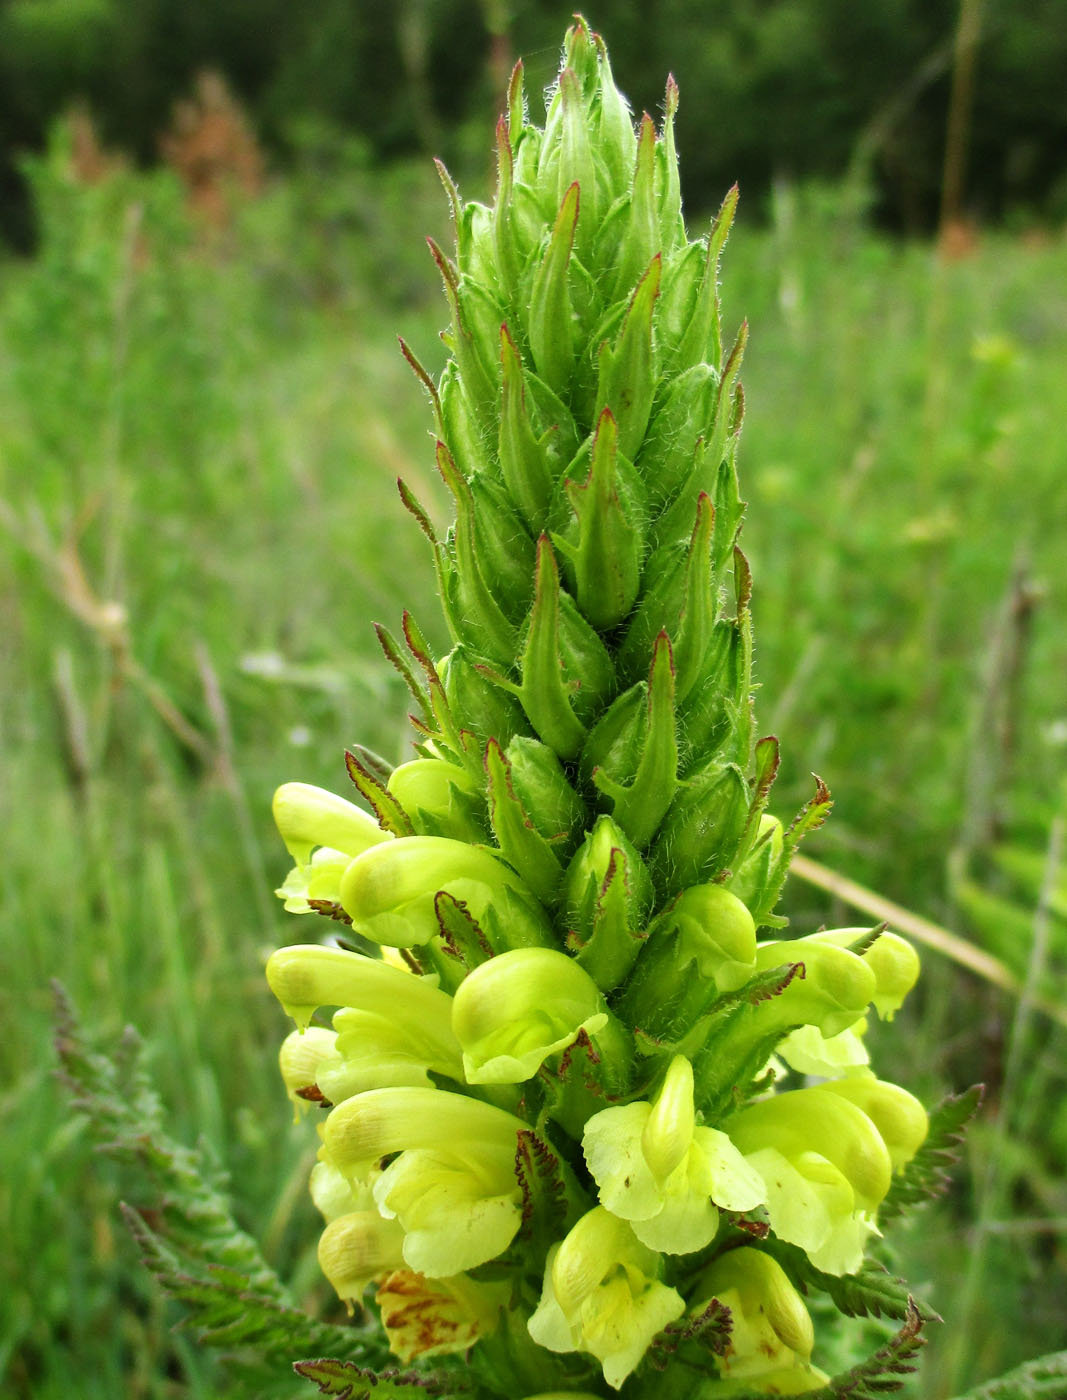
column 826, row 1169
column 516, row 1010
column 322, row 833
column 452, row 1185
column 357, row 1248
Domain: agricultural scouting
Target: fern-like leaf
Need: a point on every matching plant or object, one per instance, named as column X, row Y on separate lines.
column 885, row 1371
column 1044, row 1378
column 188, row 1237
column 223, row 1311
column 348, row 1381
column 871, row 1292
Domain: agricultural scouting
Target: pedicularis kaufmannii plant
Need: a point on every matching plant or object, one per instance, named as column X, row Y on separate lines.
column 589, row 1120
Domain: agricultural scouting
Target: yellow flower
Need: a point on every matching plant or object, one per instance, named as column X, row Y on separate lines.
column 826, row 1169
column 357, row 1248
column 430, row 1317
column 601, row 1295
column 659, row 1170
column 452, row 1187
column 771, row 1336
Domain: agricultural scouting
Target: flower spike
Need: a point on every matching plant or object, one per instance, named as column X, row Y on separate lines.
column 566, row 1130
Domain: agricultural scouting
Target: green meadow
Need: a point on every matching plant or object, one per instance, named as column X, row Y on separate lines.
column 201, row 427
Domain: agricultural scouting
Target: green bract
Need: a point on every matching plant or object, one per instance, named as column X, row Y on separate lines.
column 554, row 1140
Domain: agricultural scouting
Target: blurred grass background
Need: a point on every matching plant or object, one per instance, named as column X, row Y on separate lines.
column 202, row 416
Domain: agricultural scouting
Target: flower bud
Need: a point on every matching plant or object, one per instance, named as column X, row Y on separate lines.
column 550, row 325
column 522, row 845
column 457, row 422
column 319, row 881
column 806, row 1050
column 641, row 237
column 467, row 348
column 668, row 182
column 668, row 1131
column 486, row 710
column 713, row 929
column 577, row 164
column 641, row 789
column 332, row 1193
column 683, row 299
column 606, row 895
column 308, row 817
column 717, row 714
column 356, row 1249
column 567, row 672
column 547, row 797
column 702, row 829
column 833, row 993
column 771, row 1335
column 589, row 868
column 468, row 594
column 700, row 331
column 603, row 540
column 626, row 381
column 602, row 1295
column 391, row 901
column 613, row 745
column 685, row 416
column 659, row 608
column 525, row 454
column 702, row 945
column 756, row 876
column 616, row 146
column 505, row 548
column 514, row 1011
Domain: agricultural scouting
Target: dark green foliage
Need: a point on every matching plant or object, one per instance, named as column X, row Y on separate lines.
column 708, row 1331
column 128, row 1120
